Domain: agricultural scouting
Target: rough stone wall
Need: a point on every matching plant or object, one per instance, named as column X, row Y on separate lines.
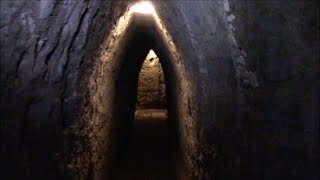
column 200, row 31
column 281, row 131
column 151, row 85
column 44, row 47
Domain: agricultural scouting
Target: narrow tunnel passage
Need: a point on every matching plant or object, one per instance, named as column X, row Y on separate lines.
column 148, row 151
column 113, row 94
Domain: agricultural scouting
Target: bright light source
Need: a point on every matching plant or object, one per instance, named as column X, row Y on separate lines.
column 142, row 7
column 152, row 54
column 152, row 58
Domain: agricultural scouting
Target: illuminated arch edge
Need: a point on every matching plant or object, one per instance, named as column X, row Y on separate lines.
column 101, row 95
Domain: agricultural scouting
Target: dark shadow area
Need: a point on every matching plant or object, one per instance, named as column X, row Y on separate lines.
column 148, row 152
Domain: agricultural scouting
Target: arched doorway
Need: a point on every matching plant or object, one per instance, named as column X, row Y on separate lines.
column 147, row 151
column 110, row 118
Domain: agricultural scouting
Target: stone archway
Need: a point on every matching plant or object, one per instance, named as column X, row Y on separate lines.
column 111, row 105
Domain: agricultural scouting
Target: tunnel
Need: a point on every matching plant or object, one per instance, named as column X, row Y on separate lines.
column 131, row 122
column 181, row 90
column 142, row 33
column 147, row 149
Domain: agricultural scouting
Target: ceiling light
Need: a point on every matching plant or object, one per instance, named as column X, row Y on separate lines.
column 143, row 7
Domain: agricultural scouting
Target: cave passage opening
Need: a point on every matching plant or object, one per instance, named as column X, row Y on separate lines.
column 147, row 151
column 145, row 106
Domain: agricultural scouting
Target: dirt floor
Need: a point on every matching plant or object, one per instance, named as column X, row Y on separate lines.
column 148, row 154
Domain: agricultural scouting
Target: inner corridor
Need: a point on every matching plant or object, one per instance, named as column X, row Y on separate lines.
column 148, row 152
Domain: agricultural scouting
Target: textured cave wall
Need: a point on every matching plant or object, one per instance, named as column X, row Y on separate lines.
column 281, row 133
column 151, row 84
column 273, row 132
column 201, row 32
column 45, row 45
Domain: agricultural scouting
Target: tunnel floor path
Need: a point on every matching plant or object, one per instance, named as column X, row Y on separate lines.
column 148, row 153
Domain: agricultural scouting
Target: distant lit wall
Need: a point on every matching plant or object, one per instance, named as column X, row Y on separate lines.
column 151, row 85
